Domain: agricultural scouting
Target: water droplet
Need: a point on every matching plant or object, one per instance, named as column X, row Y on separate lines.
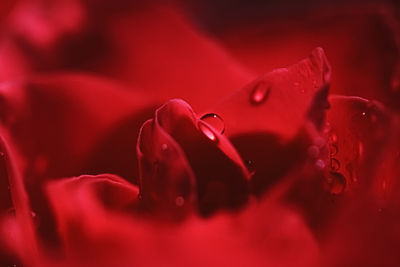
column 333, row 138
column 302, row 90
column 320, row 164
column 179, row 201
column 250, row 167
column 313, row 151
column 140, row 197
column 337, row 183
column 215, row 121
column 333, row 149
column 260, row 93
column 335, row 164
column 164, row 147
column 296, row 84
column 207, row 131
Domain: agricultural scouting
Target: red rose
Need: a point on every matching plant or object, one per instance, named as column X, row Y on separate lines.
column 137, row 134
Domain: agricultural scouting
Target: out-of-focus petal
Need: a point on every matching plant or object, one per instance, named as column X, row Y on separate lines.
column 96, row 234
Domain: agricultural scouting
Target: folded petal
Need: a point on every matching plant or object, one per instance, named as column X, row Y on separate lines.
column 201, row 153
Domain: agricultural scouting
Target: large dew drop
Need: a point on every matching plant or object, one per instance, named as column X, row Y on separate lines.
column 215, row 121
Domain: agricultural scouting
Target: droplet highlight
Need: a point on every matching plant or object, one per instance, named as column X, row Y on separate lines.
column 164, row 147
column 207, row 131
column 215, row 121
column 260, row 93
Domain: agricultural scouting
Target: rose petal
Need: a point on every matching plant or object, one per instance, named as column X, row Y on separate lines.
column 15, row 192
column 218, row 169
column 95, row 234
column 83, row 110
column 268, row 120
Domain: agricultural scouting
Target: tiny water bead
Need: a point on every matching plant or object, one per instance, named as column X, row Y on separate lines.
column 260, row 93
column 207, row 131
column 333, row 149
column 333, row 138
column 179, row 201
column 164, row 147
column 215, row 121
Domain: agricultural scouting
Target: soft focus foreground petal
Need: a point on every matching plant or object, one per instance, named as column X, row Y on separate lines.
column 70, row 123
column 57, row 120
column 95, row 234
column 220, row 174
column 16, row 223
column 5, row 7
column 273, row 120
column 362, row 40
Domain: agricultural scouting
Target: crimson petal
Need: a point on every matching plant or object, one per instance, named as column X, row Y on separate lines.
column 219, row 171
column 274, row 133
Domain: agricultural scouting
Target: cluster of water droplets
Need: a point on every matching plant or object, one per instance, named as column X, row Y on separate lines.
column 335, row 178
